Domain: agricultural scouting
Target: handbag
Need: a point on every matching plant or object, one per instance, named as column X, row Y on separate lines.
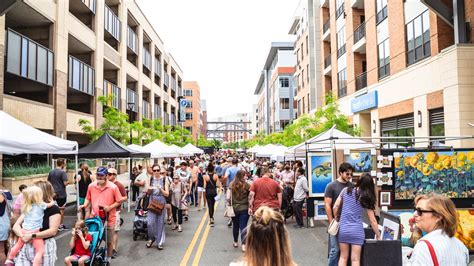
column 156, row 207
column 434, row 258
column 333, row 228
column 229, row 210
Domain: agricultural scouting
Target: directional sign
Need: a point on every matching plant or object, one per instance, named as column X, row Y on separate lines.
column 183, row 103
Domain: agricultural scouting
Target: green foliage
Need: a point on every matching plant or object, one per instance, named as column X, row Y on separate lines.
column 24, row 170
column 306, row 127
column 71, row 164
column 203, row 142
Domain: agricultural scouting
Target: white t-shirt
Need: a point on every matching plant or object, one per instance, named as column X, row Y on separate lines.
column 143, row 177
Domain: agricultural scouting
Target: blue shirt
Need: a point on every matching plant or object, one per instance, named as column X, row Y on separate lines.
column 230, row 173
column 34, row 218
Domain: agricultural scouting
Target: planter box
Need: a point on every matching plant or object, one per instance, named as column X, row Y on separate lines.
column 12, row 183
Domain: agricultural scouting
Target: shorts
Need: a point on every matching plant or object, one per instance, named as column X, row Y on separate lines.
column 76, row 257
column 81, row 201
column 61, row 202
column 117, row 221
column 201, row 189
column 110, row 235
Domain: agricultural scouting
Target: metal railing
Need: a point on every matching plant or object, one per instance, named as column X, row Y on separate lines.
column 166, row 119
column 381, row 15
column 327, row 61
column 132, row 40
column 327, row 25
column 340, row 10
column 341, row 92
column 91, row 4
column 341, row 51
column 173, row 83
column 115, row 91
column 81, row 76
column 167, row 80
column 157, row 67
column 112, row 23
column 157, row 110
column 361, row 81
column 359, row 33
column 146, row 58
column 146, row 109
column 132, row 97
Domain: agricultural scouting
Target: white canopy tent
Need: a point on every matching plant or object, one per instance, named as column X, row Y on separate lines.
column 136, row 147
column 271, row 150
column 193, row 149
column 254, row 149
column 181, row 151
column 158, row 149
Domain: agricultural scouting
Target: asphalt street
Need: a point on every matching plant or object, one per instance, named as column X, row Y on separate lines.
column 200, row 244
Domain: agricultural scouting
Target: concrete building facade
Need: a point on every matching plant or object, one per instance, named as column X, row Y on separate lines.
column 397, row 70
column 60, row 56
column 192, row 94
column 275, row 89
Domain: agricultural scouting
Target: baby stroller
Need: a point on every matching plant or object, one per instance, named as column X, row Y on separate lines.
column 287, row 202
column 140, row 227
column 96, row 228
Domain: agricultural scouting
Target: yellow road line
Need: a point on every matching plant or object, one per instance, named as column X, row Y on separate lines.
column 187, row 255
column 197, row 257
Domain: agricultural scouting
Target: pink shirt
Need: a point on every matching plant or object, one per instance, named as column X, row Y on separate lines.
column 18, row 203
column 104, row 196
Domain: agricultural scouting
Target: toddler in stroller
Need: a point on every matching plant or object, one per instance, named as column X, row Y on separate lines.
column 140, row 227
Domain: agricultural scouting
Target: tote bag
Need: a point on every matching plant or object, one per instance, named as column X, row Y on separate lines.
column 229, row 210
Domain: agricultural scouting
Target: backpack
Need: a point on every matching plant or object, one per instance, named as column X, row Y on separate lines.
column 9, row 201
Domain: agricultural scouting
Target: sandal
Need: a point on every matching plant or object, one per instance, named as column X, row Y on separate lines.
column 174, row 227
column 150, row 243
column 169, row 221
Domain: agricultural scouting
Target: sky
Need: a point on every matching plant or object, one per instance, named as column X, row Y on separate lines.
column 221, row 44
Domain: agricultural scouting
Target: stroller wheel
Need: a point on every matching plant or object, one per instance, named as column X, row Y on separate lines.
column 121, row 221
column 134, row 237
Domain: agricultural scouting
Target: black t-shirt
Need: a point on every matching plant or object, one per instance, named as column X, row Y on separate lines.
column 3, row 207
column 333, row 190
column 84, row 184
column 48, row 213
column 57, row 177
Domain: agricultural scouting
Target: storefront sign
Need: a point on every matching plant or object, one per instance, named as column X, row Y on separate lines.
column 364, row 102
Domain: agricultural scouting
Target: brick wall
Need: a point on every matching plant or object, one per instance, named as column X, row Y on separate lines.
column 371, row 43
column 397, row 39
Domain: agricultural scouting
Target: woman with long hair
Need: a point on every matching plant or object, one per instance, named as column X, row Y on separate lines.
column 211, row 183
column 268, row 243
column 238, row 197
column 158, row 191
column 84, row 179
column 351, row 232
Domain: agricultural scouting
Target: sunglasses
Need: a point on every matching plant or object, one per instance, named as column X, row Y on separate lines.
column 420, row 211
column 156, row 170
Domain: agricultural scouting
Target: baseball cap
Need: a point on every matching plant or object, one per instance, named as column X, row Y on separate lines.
column 101, row 170
column 112, row 171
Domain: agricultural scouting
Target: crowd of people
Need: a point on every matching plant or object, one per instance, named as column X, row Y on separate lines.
column 257, row 190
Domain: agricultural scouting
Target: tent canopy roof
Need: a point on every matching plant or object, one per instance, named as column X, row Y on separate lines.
column 271, row 149
column 17, row 137
column 108, row 147
column 193, row 149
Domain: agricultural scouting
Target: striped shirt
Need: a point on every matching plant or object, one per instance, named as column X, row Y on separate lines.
column 449, row 250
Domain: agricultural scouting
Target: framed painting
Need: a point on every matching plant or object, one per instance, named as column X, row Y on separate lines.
column 385, row 198
column 320, row 173
column 319, row 211
column 362, row 161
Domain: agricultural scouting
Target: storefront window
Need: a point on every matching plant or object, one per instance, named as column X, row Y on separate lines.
column 437, row 124
column 402, row 126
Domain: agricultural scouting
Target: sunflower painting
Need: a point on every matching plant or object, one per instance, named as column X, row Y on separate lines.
column 450, row 173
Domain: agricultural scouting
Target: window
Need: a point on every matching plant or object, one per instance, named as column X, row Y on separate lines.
column 188, row 92
column 307, row 44
column 284, row 123
column 307, row 73
column 382, row 11
column 284, row 82
column 284, row 103
column 190, row 129
column 437, row 123
column 302, row 53
column 339, row 8
column 189, row 104
column 342, row 83
column 341, row 42
column 302, row 77
column 418, row 38
column 384, row 59
column 298, row 57
column 402, row 126
column 189, row 116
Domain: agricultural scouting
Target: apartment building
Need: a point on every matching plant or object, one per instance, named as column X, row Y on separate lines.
column 305, row 26
column 60, row 56
column 192, row 94
column 275, row 89
column 254, row 120
column 234, row 132
column 203, row 118
column 401, row 68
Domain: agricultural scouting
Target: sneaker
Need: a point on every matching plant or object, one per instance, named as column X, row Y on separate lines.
column 229, row 223
column 174, row 227
column 9, row 263
column 297, row 226
column 160, row 247
column 62, row 227
column 180, row 229
column 114, row 254
column 186, row 218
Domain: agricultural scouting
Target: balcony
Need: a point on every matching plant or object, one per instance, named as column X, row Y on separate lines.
column 167, row 80
column 29, row 59
column 327, row 30
column 361, row 81
column 81, row 76
column 340, row 11
column 91, row 4
column 358, row 4
column 327, row 66
column 341, row 51
column 173, row 83
column 132, row 97
column 146, row 110
column 359, row 39
column 324, row 3
column 157, row 110
column 112, row 23
column 166, row 119
column 132, row 40
column 173, row 119
column 157, row 67
column 341, row 92
column 113, row 90
column 382, row 14
column 146, row 58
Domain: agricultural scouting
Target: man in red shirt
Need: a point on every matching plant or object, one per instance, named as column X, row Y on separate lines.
column 106, row 195
column 265, row 192
column 112, row 177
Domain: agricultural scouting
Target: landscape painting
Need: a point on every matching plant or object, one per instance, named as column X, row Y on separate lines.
column 362, row 161
column 321, row 174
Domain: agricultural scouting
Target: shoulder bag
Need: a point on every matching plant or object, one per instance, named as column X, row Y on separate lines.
column 434, row 258
column 229, row 209
column 333, row 228
column 156, row 207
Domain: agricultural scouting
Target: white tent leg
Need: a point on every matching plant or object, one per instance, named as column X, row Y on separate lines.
column 130, row 183
column 77, row 187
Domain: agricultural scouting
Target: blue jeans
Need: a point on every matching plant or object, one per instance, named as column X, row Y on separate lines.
column 333, row 259
column 239, row 223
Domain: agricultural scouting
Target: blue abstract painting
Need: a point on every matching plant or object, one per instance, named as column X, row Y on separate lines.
column 321, row 174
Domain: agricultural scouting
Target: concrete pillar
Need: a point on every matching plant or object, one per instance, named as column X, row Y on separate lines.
column 98, row 60
column 122, row 73
column 420, row 104
column 2, row 66
column 140, row 71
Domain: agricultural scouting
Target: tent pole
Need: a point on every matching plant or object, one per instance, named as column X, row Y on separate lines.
column 129, row 182
column 77, row 187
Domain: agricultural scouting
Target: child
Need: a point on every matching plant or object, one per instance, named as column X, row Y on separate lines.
column 80, row 242
column 32, row 213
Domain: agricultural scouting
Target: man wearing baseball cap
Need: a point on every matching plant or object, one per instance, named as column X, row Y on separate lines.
column 102, row 194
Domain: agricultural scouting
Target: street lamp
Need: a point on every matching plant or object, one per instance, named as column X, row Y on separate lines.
column 130, row 106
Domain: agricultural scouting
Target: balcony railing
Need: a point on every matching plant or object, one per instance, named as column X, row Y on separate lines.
column 91, row 4
column 326, row 25
column 167, row 80
column 382, row 14
column 340, row 10
column 341, row 92
column 157, row 67
column 173, row 83
column 327, row 61
column 166, row 119
column 157, row 110
column 112, row 23
column 173, row 119
column 132, row 97
column 341, row 51
column 81, row 76
column 113, row 90
column 146, row 58
column 361, row 81
column 359, row 33
column 146, row 109
column 132, row 40
column 29, row 59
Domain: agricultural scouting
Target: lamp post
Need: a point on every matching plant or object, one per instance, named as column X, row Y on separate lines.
column 130, row 106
